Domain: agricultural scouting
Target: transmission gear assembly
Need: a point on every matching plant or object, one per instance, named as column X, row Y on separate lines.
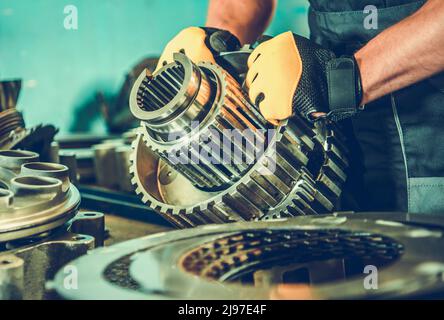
column 316, row 257
column 204, row 154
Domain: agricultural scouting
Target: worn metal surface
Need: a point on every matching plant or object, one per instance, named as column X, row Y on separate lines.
column 299, row 170
column 319, row 257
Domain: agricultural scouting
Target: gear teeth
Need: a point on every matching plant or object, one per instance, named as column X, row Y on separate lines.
column 138, row 191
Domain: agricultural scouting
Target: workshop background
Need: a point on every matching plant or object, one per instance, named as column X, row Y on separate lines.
column 62, row 70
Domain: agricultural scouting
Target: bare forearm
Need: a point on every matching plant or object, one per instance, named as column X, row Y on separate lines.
column 404, row 54
column 246, row 19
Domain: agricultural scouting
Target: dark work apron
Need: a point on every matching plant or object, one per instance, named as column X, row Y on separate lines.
column 397, row 143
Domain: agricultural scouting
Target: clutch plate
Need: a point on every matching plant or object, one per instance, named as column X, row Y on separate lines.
column 317, row 257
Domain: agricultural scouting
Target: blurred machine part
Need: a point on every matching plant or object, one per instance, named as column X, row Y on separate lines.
column 40, row 227
column 101, row 161
column 313, row 257
column 9, row 93
column 13, row 133
column 191, row 111
column 27, row 264
column 99, row 168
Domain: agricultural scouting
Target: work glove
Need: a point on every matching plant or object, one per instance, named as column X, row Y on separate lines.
column 199, row 44
column 290, row 74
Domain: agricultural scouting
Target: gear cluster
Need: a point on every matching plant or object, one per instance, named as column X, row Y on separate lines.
column 187, row 110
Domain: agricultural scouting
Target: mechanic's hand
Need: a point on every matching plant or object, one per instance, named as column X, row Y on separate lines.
column 199, row 44
column 287, row 74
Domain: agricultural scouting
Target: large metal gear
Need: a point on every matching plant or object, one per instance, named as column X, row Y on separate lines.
column 300, row 171
column 316, row 257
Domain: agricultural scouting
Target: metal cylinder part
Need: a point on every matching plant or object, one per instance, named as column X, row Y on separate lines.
column 34, row 185
column 14, row 159
column 11, row 277
column 123, row 163
column 105, row 165
column 69, row 159
column 92, row 224
column 54, row 152
column 47, row 169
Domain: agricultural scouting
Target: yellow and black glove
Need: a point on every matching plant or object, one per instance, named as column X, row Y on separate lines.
column 199, row 44
column 290, row 74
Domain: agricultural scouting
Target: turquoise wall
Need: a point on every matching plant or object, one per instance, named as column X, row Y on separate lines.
column 62, row 69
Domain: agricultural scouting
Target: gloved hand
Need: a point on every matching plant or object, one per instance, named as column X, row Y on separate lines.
column 290, row 74
column 199, row 44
